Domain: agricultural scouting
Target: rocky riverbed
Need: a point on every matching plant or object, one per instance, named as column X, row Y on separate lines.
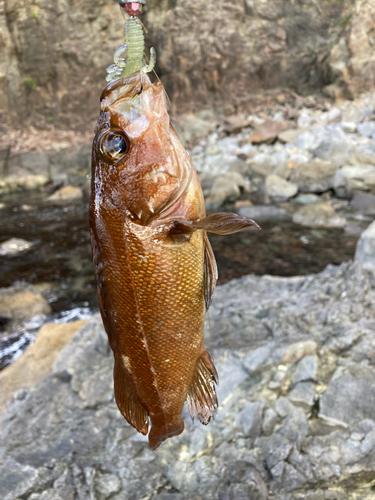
column 295, row 358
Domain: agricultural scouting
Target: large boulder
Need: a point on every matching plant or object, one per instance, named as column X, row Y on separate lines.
column 278, row 189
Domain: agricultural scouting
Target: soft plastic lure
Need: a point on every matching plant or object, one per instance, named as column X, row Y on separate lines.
column 129, row 57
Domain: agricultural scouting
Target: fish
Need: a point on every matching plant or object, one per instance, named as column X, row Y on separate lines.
column 154, row 266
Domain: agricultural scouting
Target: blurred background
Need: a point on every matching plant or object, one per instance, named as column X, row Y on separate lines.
column 275, row 102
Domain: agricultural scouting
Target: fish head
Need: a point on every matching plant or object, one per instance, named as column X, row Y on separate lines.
column 137, row 154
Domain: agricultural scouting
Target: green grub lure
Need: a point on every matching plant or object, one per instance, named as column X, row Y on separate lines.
column 128, row 58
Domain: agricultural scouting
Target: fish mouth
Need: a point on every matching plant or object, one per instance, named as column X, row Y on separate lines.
column 127, row 87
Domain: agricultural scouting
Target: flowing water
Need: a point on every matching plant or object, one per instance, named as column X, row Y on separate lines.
column 59, row 262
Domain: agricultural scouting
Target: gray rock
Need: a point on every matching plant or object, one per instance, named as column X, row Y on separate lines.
column 232, row 375
column 349, row 127
column 318, row 215
column 284, row 407
column 107, row 484
column 290, row 136
column 278, row 189
column 365, row 251
column 355, row 113
column 308, row 141
column 307, row 369
column 293, row 480
column 258, row 359
column 315, row 176
column 249, row 420
column 270, row 419
column 367, row 129
column 349, row 180
column 336, row 147
column 14, row 246
column 297, row 351
column 348, row 399
column 364, row 202
column 303, row 394
column 260, row 212
column 295, row 426
column 279, row 449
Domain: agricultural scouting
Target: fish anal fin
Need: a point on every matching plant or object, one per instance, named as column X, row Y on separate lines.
column 127, row 400
column 210, row 272
column 201, row 398
column 219, row 223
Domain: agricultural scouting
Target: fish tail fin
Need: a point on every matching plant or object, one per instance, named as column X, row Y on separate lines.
column 127, row 400
column 160, row 433
column 219, row 223
column 201, row 397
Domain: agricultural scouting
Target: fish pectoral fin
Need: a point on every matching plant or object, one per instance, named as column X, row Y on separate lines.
column 201, row 397
column 209, row 272
column 220, row 223
column 127, row 400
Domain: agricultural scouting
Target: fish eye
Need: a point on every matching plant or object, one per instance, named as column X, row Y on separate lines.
column 113, row 145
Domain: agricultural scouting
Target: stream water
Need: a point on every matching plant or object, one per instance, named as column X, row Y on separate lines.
column 59, row 263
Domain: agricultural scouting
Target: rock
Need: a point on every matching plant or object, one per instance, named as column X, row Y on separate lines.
column 64, row 438
column 306, row 199
column 258, row 359
column 304, row 119
column 348, row 399
column 290, row 136
column 279, row 190
column 355, row 113
column 260, row 212
column 38, row 359
column 226, row 187
column 365, row 251
column 270, row 419
column 303, row 394
column 234, row 124
column 367, row 129
column 249, row 420
column 267, row 131
column 364, row 202
column 336, row 147
column 308, row 141
column 23, row 302
column 316, row 176
column 297, row 351
column 194, row 127
column 307, row 369
column 66, row 193
column 261, row 164
column 349, row 127
column 319, row 215
column 14, row 246
column 349, row 180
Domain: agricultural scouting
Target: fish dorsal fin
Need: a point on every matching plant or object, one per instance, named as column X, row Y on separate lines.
column 201, row 398
column 126, row 398
column 210, row 272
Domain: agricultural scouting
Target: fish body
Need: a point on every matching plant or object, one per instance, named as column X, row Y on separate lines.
column 154, row 266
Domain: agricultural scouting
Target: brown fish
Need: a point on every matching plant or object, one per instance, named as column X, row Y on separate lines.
column 154, row 266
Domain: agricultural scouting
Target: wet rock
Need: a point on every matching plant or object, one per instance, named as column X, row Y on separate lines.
column 279, row 190
column 316, row 176
column 349, row 180
column 66, row 193
column 319, row 215
column 267, row 131
column 247, row 483
column 14, row 246
column 365, row 251
column 22, row 302
column 38, row 359
column 249, row 420
column 260, row 212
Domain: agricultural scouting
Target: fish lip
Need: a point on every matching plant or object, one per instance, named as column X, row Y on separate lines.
column 120, row 83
